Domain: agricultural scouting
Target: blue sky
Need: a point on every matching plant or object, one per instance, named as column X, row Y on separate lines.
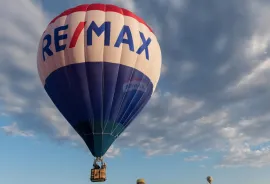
column 209, row 116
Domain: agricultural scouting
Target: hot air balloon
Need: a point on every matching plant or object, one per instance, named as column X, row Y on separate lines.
column 209, row 179
column 140, row 181
column 99, row 64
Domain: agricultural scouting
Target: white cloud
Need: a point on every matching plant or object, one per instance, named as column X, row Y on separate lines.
column 113, row 152
column 245, row 156
column 256, row 52
column 259, row 41
column 13, row 129
column 128, row 4
column 177, row 4
column 182, row 71
column 164, row 69
column 216, row 118
column 223, row 69
column 258, row 77
column 228, row 132
column 248, row 144
column 195, row 158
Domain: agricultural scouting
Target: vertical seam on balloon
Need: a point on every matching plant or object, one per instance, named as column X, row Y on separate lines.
column 131, row 117
column 131, row 76
column 87, row 80
column 114, row 122
column 102, row 90
column 133, row 97
column 66, row 58
column 117, row 75
column 125, row 125
column 115, row 86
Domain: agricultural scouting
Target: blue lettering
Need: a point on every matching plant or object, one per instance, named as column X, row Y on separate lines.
column 105, row 27
column 124, row 37
column 144, row 46
column 125, row 31
column 58, row 37
column 46, row 49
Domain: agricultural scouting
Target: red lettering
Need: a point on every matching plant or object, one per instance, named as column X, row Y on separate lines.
column 76, row 34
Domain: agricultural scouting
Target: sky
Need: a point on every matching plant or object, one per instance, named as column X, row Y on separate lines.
column 210, row 114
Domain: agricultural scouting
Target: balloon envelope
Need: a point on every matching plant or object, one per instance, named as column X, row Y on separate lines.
column 99, row 64
column 209, row 179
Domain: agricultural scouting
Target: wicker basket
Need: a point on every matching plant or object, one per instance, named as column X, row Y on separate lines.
column 98, row 175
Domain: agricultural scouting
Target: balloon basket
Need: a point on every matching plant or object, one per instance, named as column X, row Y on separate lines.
column 98, row 174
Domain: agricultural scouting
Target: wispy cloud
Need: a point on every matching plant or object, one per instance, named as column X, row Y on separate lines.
column 13, row 129
column 195, row 158
column 113, row 152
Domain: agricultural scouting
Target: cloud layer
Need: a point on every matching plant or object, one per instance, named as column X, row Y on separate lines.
column 213, row 94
